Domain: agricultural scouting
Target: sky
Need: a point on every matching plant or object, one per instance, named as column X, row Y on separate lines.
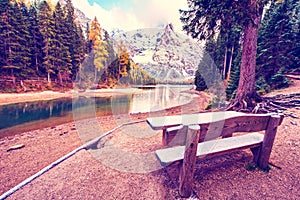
column 133, row 14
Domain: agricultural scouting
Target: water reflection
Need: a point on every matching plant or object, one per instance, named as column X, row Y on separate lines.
column 154, row 99
column 159, row 98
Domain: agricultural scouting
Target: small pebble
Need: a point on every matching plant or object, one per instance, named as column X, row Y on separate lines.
column 293, row 123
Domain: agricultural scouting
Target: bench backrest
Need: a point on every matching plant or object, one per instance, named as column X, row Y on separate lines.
column 224, row 128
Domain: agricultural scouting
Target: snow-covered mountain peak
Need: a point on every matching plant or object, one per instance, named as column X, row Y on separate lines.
column 162, row 52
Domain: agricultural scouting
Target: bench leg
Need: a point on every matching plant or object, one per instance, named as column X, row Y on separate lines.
column 269, row 137
column 186, row 176
column 255, row 151
column 164, row 137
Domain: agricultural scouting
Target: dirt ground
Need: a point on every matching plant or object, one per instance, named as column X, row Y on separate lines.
column 99, row 174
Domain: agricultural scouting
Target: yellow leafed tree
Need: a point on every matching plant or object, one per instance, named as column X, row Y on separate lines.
column 124, row 59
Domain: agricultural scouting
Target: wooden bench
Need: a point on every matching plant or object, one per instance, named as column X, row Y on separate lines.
column 210, row 134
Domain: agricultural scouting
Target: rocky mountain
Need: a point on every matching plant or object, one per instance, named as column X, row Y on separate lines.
column 165, row 54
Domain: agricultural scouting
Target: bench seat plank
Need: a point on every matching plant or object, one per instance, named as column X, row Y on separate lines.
column 159, row 123
column 205, row 149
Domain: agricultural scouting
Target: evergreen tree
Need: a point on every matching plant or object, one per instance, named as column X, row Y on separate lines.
column 111, row 55
column 10, row 44
column 71, row 37
column 4, row 32
column 276, row 42
column 234, row 77
column 200, row 82
column 46, row 28
column 59, row 52
column 24, row 38
column 80, row 51
column 204, row 18
column 4, row 4
column 36, row 39
column 88, row 41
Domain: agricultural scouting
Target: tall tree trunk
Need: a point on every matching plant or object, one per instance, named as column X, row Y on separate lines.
column 95, row 74
column 246, row 94
column 225, row 62
column 230, row 64
column 48, row 77
column 60, row 78
column 36, row 64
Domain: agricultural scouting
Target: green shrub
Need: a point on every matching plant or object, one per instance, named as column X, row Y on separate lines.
column 278, row 80
column 262, row 87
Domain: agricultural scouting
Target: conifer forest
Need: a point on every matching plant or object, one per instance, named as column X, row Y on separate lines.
column 43, row 47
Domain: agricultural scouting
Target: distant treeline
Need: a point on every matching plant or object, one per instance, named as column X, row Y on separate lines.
column 44, row 41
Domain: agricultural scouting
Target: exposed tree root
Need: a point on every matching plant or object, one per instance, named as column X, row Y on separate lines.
column 245, row 104
column 277, row 104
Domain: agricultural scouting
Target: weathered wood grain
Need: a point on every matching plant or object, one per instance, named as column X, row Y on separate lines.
column 266, row 148
column 211, row 148
column 186, row 176
column 176, row 135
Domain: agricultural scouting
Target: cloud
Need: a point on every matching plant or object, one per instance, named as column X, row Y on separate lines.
column 155, row 12
column 139, row 14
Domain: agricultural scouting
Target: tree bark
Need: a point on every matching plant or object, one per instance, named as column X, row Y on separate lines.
column 225, row 63
column 246, row 93
column 48, row 77
column 60, row 78
column 230, row 64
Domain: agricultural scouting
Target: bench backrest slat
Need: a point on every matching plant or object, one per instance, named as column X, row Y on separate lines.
column 223, row 128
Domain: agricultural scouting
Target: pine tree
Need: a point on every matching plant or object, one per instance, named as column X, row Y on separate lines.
column 46, row 28
column 4, row 32
column 71, row 37
column 111, row 55
column 234, row 77
column 24, row 38
column 59, row 52
column 277, row 40
column 79, row 53
column 9, row 34
column 4, row 4
column 35, row 40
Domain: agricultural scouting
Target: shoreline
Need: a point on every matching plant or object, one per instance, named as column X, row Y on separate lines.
column 13, row 98
column 8, row 98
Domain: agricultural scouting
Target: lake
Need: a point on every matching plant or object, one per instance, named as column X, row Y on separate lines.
column 21, row 117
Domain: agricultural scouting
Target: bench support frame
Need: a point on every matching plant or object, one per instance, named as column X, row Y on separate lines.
column 194, row 134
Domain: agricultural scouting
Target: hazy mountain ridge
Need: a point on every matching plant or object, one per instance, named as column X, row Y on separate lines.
column 163, row 53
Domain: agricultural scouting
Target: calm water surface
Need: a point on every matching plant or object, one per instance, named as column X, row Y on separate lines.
column 20, row 117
